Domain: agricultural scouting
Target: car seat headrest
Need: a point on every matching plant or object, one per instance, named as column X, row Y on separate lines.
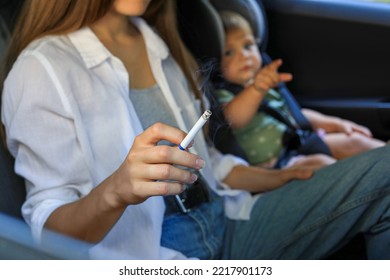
column 201, row 29
column 252, row 10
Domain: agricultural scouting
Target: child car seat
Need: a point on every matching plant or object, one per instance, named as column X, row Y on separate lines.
column 202, row 32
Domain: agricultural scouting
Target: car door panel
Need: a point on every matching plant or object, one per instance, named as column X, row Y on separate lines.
column 339, row 54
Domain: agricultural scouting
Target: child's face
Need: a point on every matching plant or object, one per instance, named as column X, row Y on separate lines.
column 241, row 58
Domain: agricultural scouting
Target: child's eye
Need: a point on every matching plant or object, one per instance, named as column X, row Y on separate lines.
column 227, row 53
column 248, row 46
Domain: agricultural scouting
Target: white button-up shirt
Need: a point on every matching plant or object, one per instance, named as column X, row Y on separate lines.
column 70, row 124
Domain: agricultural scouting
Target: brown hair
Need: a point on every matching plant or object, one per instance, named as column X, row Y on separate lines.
column 39, row 18
column 232, row 21
column 162, row 15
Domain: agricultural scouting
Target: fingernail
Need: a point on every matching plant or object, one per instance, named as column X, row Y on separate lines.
column 200, row 163
column 194, row 177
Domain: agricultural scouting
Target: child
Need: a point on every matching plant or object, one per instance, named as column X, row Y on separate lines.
column 247, row 85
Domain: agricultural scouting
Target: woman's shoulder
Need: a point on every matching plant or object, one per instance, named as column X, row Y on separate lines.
column 34, row 56
column 49, row 48
column 49, row 55
column 50, row 58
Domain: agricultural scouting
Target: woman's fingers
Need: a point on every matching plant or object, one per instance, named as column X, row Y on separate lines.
column 295, row 172
column 145, row 150
column 152, row 170
column 157, row 132
column 166, row 154
column 167, row 172
column 139, row 192
column 159, row 188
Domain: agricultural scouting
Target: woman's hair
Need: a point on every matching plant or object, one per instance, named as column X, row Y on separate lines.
column 39, row 18
column 162, row 15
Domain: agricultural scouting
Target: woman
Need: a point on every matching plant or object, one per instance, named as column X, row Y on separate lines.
column 83, row 107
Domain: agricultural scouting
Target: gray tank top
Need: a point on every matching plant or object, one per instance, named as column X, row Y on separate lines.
column 151, row 107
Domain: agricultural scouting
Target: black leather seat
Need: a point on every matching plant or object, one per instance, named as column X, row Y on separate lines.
column 12, row 189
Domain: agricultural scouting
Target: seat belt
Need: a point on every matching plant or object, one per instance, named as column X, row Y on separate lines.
column 295, row 109
column 291, row 102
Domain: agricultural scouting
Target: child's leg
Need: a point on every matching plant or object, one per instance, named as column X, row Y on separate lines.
column 342, row 145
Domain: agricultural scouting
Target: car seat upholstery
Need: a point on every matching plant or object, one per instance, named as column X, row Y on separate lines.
column 12, row 189
column 202, row 32
column 253, row 11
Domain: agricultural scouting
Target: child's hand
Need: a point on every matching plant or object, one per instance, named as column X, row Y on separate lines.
column 268, row 77
column 348, row 127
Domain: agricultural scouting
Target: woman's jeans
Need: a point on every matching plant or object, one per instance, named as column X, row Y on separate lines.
column 199, row 233
column 305, row 219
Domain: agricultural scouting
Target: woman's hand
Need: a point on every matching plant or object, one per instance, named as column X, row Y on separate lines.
column 258, row 179
column 151, row 170
column 148, row 170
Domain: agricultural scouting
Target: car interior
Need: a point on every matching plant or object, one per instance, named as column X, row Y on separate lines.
column 200, row 41
column 339, row 61
column 338, row 54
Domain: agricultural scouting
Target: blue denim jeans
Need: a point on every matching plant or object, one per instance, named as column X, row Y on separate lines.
column 305, row 219
column 199, row 233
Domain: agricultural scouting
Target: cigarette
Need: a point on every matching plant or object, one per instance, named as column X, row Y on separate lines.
column 184, row 144
column 194, row 130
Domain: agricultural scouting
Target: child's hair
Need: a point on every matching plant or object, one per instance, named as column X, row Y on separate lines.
column 232, row 21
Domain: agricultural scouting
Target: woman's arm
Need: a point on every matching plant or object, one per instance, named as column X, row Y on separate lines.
column 54, row 153
column 258, row 180
column 148, row 170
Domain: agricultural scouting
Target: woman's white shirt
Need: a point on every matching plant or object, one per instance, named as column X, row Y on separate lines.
column 70, row 124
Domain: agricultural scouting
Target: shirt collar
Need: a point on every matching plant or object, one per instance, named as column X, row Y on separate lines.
column 93, row 52
column 155, row 45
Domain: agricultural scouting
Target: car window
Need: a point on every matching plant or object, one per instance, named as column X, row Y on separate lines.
column 382, row 1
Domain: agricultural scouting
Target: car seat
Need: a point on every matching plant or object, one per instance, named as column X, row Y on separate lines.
column 12, row 189
column 202, row 32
